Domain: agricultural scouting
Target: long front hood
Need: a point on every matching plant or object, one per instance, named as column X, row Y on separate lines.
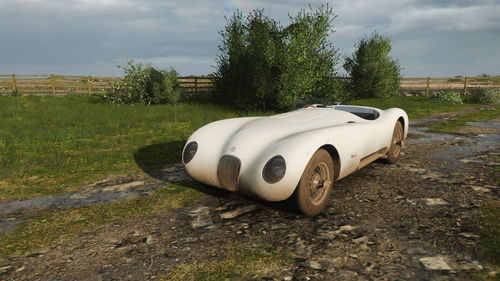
column 260, row 133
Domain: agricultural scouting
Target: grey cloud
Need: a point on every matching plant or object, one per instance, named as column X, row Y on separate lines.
column 93, row 36
column 454, row 3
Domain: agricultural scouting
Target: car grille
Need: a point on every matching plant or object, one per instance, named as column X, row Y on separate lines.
column 228, row 172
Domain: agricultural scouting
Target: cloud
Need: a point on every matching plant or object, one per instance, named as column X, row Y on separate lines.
column 93, row 36
column 470, row 18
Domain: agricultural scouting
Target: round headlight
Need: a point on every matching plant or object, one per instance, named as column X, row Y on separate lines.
column 274, row 170
column 189, row 152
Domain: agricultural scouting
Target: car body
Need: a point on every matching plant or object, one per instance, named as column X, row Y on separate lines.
column 232, row 154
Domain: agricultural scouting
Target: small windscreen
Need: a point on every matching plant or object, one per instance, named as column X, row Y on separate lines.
column 365, row 113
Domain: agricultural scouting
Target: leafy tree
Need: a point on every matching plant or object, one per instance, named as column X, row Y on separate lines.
column 310, row 59
column 264, row 65
column 373, row 72
column 248, row 66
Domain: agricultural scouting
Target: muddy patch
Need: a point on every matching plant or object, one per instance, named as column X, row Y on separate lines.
column 109, row 190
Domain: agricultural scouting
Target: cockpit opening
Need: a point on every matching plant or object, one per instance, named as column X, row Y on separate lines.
column 365, row 113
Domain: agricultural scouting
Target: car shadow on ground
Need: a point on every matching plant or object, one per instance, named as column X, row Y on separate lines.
column 152, row 159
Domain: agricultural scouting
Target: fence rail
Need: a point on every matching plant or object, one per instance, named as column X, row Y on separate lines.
column 51, row 84
column 457, row 84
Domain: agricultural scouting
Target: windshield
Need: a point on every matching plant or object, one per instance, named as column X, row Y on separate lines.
column 317, row 102
column 365, row 113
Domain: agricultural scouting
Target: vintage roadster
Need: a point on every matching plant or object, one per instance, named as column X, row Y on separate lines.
column 299, row 153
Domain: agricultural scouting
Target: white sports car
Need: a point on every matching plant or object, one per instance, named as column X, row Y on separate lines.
column 298, row 153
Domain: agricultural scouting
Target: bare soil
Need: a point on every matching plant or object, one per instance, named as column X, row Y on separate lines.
column 415, row 220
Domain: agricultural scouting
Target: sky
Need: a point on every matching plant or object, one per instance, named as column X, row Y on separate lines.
column 435, row 38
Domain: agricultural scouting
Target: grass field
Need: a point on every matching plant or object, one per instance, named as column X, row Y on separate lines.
column 50, row 145
column 479, row 116
column 54, row 144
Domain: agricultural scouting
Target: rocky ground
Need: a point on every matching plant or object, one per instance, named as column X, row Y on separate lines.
column 415, row 220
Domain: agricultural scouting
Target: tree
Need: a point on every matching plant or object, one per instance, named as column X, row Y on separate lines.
column 310, row 60
column 249, row 63
column 267, row 66
column 373, row 72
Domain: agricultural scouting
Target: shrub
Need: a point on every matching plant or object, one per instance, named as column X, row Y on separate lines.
column 373, row 72
column 14, row 92
column 483, row 96
column 267, row 66
column 447, row 97
column 8, row 92
column 169, row 91
column 144, row 84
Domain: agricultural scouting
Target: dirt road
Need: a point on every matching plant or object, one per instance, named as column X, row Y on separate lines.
column 415, row 220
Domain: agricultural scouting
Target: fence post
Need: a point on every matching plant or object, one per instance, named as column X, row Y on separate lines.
column 427, row 87
column 89, row 82
column 465, row 86
column 14, row 84
column 196, row 85
column 53, row 82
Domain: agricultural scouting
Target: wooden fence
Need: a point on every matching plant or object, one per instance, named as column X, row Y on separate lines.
column 461, row 85
column 50, row 84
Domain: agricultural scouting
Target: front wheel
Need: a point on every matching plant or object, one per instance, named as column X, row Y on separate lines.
column 315, row 185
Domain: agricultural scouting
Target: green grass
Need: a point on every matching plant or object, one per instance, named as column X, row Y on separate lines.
column 50, row 145
column 55, row 227
column 454, row 124
column 416, row 107
column 241, row 262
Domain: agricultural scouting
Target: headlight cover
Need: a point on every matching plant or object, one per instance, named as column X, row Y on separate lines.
column 189, row 152
column 274, row 170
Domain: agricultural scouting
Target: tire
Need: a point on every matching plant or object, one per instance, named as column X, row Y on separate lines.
column 315, row 185
column 396, row 144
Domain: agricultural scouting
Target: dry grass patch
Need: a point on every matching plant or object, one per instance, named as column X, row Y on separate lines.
column 55, row 227
column 241, row 262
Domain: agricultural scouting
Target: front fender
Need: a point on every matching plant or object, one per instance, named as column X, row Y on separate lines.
column 297, row 150
column 211, row 140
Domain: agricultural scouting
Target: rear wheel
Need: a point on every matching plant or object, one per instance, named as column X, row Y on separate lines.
column 315, row 186
column 396, row 144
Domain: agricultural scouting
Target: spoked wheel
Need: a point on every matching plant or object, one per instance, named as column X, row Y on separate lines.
column 315, row 186
column 396, row 144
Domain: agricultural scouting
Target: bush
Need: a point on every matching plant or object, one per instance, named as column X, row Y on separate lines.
column 144, row 84
column 263, row 65
column 373, row 72
column 483, row 96
column 169, row 91
column 447, row 97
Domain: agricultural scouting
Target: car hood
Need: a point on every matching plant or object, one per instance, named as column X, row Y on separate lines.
column 260, row 132
column 299, row 121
